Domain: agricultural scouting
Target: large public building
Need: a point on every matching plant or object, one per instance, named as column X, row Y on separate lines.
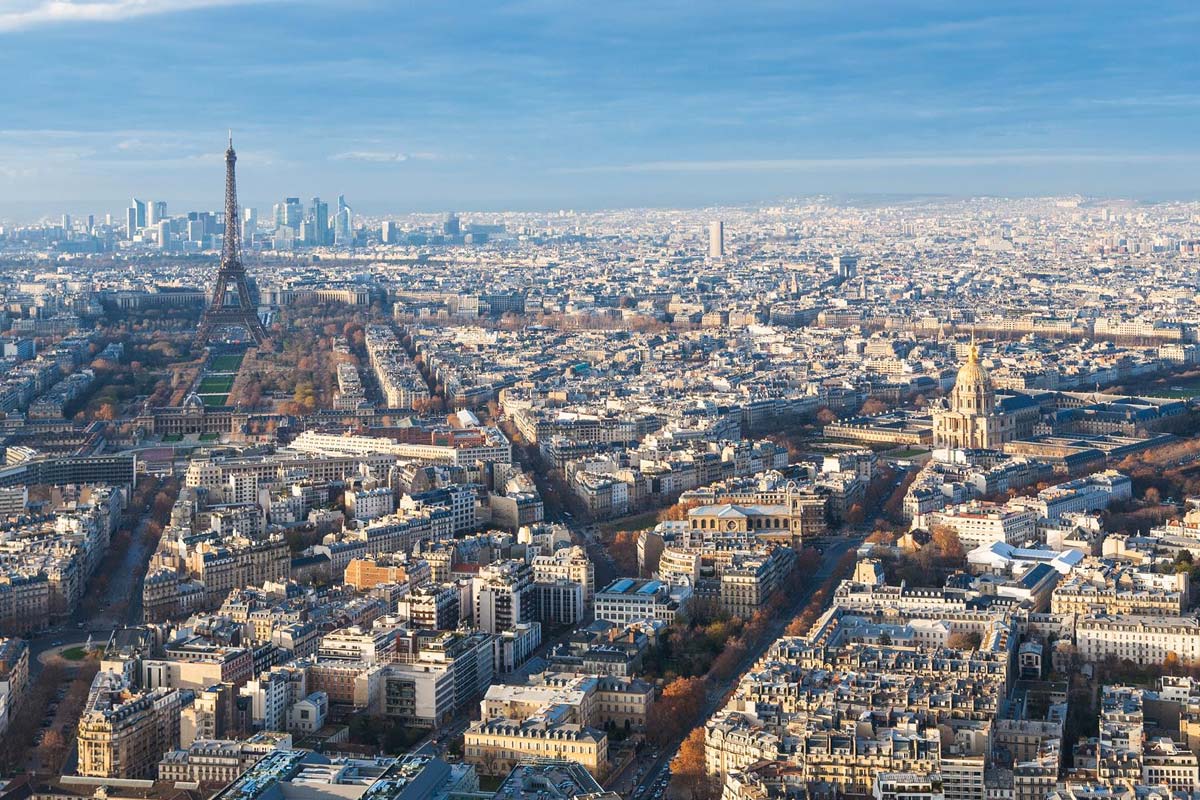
column 975, row 419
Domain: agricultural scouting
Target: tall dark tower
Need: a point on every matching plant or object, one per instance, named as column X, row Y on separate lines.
column 232, row 305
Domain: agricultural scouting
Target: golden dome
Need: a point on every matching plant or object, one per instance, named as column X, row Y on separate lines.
column 972, row 374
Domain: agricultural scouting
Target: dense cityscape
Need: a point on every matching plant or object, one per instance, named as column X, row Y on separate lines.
column 599, row 401
column 801, row 500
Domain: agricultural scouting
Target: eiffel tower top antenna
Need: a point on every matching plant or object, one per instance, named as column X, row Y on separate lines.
column 231, row 247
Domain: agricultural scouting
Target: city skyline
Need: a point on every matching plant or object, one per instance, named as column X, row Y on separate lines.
column 692, row 400
column 542, row 106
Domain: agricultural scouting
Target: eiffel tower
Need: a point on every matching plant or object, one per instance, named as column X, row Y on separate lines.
column 232, row 305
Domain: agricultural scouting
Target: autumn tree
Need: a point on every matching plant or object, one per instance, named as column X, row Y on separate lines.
column 825, row 415
column 688, row 775
column 873, row 406
column 305, row 397
column 163, row 502
column 679, row 511
column 963, row 640
column 53, row 750
column 676, row 709
column 623, row 550
column 946, row 540
column 881, row 537
column 726, row 664
column 428, row 405
column 807, row 563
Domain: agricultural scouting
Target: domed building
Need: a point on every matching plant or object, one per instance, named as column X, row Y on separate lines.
column 974, row 418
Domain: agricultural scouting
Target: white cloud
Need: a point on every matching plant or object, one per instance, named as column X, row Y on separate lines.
column 128, row 147
column 885, row 162
column 51, row 12
column 381, row 156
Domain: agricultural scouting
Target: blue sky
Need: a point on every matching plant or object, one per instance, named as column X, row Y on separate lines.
column 407, row 105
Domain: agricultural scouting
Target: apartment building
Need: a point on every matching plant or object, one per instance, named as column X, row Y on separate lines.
column 503, row 593
column 569, row 563
column 123, row 734
column 979, row 524
column 1140, row 639
column 495, row 746
column 627, row 600
column 431, row 606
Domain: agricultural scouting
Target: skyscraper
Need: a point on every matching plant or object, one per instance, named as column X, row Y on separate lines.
column 716, row 239
column 66, row 222
column 289, row 213
column 341, row 228
column 293, row 213
column 342, row 234
column 131, row 226
column 156, row 212
column 195, row 230
column 140, row 207
column 452, row 226
column 249, row 225
column 320, row 219
column 391, row 232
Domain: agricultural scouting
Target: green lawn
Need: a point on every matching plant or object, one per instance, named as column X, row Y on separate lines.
column 1181, row 387
column 1190, row 389
column 214, row 384
column 212, row 400
column 173, row 437
column 227, row 363
column 74, row 654
column 209, row 437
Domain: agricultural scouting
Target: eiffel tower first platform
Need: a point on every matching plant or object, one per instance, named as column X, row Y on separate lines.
column 232, row 305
